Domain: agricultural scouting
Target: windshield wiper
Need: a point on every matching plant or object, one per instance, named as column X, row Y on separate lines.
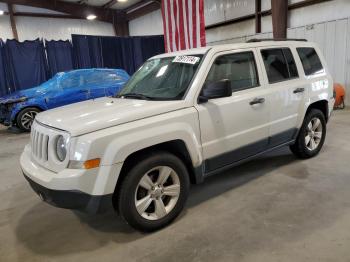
column 136, row 96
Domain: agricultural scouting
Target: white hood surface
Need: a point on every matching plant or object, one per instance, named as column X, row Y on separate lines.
column 89, row 116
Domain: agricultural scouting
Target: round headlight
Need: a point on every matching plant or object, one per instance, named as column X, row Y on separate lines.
column 61, row 149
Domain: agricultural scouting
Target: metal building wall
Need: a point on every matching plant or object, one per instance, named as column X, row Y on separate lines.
column 30, row 28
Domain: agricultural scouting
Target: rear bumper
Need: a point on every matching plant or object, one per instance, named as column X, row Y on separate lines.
column 72, row 199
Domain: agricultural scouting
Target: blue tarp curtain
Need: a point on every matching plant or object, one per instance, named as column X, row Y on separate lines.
column 59, row 56
column 28, row 64
column 3, row 84
column 127, row 53
column 87, row 51
column 25, row 64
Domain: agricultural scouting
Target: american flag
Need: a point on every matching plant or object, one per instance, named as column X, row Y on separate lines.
column 183, row 22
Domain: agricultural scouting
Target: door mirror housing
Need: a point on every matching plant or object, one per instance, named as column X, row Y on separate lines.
column 218, row 89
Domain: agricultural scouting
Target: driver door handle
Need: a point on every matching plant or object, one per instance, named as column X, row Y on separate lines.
column 257, row 101
column 299, row 90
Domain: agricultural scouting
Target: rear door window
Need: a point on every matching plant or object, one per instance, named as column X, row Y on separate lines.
column 311, row 62
column 279, row 64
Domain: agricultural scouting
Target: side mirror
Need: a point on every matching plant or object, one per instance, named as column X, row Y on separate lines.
column 218, row 89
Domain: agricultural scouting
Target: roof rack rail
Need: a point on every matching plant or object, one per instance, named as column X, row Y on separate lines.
column 254, row 40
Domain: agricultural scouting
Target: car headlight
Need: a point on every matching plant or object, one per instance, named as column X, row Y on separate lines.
column 61, row 148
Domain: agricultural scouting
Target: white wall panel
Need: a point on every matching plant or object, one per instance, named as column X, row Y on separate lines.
column 329, row 52
column 214, row 12
column 327, row 11
column 265, row 5
column 30, row 28
column 5, row 28
column 340, row 50
column 29, row 9
column 237, row 8
column 266, row 24
column 221, row 10
column 347, row 63
column 3, row 7
column 150, row 24
column 230, row 31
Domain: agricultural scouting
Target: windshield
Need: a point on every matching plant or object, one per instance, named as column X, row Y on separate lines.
column 50, row 84
column 162, row 78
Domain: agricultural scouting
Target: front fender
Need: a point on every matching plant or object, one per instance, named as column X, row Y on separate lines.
column 123, row 146
column 114, row 145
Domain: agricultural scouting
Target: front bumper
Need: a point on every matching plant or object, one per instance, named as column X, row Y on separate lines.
column 87, row 190
column 5, row 115
column 72, row 199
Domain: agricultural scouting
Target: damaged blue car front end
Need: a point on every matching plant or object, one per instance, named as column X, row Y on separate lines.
column 11, row 105
column 62, row 89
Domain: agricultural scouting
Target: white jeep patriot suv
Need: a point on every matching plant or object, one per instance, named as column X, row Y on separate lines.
column 182, row 117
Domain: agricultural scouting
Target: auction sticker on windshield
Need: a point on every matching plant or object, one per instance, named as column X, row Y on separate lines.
column 186, row 59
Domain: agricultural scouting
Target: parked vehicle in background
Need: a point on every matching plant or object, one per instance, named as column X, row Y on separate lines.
column 181, row 117
column 20, row 108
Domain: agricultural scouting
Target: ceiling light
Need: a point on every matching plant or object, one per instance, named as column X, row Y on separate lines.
column 91, row 17
column 1, row 12
column 122, row 0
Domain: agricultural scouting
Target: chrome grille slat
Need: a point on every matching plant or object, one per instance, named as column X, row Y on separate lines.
column 45, row 148
column 40, row 148
column 31, row 140
column 36, row 143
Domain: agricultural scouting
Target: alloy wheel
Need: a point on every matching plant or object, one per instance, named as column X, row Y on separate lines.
column 157, row 193
column 313, row 134
column 28, row 119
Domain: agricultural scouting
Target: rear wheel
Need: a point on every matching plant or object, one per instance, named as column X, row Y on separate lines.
column 311, row 135
column 154, row 192
column 25, row 118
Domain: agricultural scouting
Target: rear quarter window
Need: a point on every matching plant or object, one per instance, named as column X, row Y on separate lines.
column 311, row 62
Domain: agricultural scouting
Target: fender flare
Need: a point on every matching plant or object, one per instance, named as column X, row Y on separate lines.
column 121, row 147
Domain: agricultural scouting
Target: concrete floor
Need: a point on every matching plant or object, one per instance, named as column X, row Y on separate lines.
column 275, row 208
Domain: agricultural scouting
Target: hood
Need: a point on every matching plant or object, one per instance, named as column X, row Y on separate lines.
column 22, row 95
column 92, row 115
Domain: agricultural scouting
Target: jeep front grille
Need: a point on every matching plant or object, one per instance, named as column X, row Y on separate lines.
column 39, row 144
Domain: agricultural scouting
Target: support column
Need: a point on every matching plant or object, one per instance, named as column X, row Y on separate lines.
column 120, row 24
column 257, row 16
column 13, row 21
column 279, row 10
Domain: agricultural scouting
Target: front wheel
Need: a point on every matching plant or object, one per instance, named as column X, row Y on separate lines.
column 154, row 192
column 311, row 135
column 25, row 118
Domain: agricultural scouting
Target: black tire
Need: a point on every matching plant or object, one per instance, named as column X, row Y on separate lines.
column 299, row 148
column 24, row 113
column 127, row 191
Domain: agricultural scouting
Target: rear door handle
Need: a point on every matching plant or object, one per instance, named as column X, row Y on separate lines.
column 257, row 101
column 299, row 90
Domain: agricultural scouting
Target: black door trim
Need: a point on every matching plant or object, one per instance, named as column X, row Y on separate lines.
column 233, row 158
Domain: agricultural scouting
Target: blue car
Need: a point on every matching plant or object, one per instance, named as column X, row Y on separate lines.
column 20, row 108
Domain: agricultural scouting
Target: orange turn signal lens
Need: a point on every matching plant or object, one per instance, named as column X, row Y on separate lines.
column 92, row 163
